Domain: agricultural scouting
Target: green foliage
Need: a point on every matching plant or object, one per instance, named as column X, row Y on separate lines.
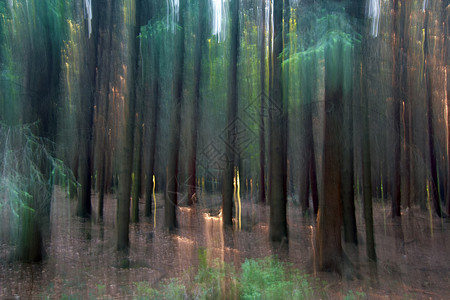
column 268, row 278
column 28, row 170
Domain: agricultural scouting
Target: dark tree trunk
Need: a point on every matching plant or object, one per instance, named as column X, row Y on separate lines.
column 192, row 171
column 278, row 230
column 154, row 107
column 446, row 31
column 429, row 103
column 227, row 186
column 171, row 202
column 87, row 90
column 262, row 77
column 397, row 103
column 348, row 192
column 137, row 163
column 308, row 176
column 329, row 219
column 127, row 133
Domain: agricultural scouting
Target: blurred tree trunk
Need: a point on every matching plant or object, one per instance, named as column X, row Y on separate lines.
column 308, row 176
column 445, row 16
column 262, row 78
column 40, row 83
column 329, row 219
column 227, row 187
column 126, row 144
column 348, row 191
column 153, row 128
column 430, row 116
column 104, row 58
column 142, row 15
column 86, row 118
column 397, row 55
column 199, row 43
column 171, row 202
column 278, row 230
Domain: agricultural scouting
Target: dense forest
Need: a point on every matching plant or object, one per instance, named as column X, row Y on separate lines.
column 322, row 109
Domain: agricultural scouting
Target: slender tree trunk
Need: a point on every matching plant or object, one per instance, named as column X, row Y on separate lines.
column 171, row 202
column 262, row 78
column 137, row 163
column 367, row 174
column 446, row 31
column 278, row 230
column 87, row 85
column 153, row 133
column 397, row 103
column 192, row 172
column 348, row 192
column 429, row 103
column 127, row 133
column 227, row 187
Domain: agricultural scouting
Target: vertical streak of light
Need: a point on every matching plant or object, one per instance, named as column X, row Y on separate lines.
column 239, row 199
column 234, row 196
column 88, row 16
column 374, row 14
column 154, row 201
column 173, row 8
column 219, row 19
column 425, row 4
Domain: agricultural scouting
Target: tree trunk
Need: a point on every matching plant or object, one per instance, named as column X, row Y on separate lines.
column 278, row 230
column 192, row 172
column 262, row 78
column 154, row 107
column 127, row 132
column 397, row 103
column 227, row 186
column 171, row 202
column 348, row 192
column 429, row 102
column 329, row 219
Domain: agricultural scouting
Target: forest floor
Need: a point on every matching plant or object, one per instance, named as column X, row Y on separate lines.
column 413, row 259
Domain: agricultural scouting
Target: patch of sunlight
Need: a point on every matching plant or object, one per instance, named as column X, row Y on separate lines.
column 173, row 9
column 374, row 15
column 219, row 12
column 88, row 14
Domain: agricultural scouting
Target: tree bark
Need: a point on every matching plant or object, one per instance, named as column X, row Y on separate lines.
column 429, row 104
column 329, row 219
column 127, row 133
column 170, row 219
column 278, row 230
column 192, row 171
column 230, row 163
column 262, row 78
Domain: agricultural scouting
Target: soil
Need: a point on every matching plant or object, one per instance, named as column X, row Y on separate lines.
column 413, row 254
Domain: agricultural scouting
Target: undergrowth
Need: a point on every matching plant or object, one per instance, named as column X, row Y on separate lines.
column 265, row 278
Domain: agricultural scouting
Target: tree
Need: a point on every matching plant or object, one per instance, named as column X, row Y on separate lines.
column 278, row 230
column 132, row 30
column 230, row 163
column 85, row 125
column 329, row 219
column 171, row 201
column 430, row 126
column 199, row 43
column 262, row 78
column 152, row 116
